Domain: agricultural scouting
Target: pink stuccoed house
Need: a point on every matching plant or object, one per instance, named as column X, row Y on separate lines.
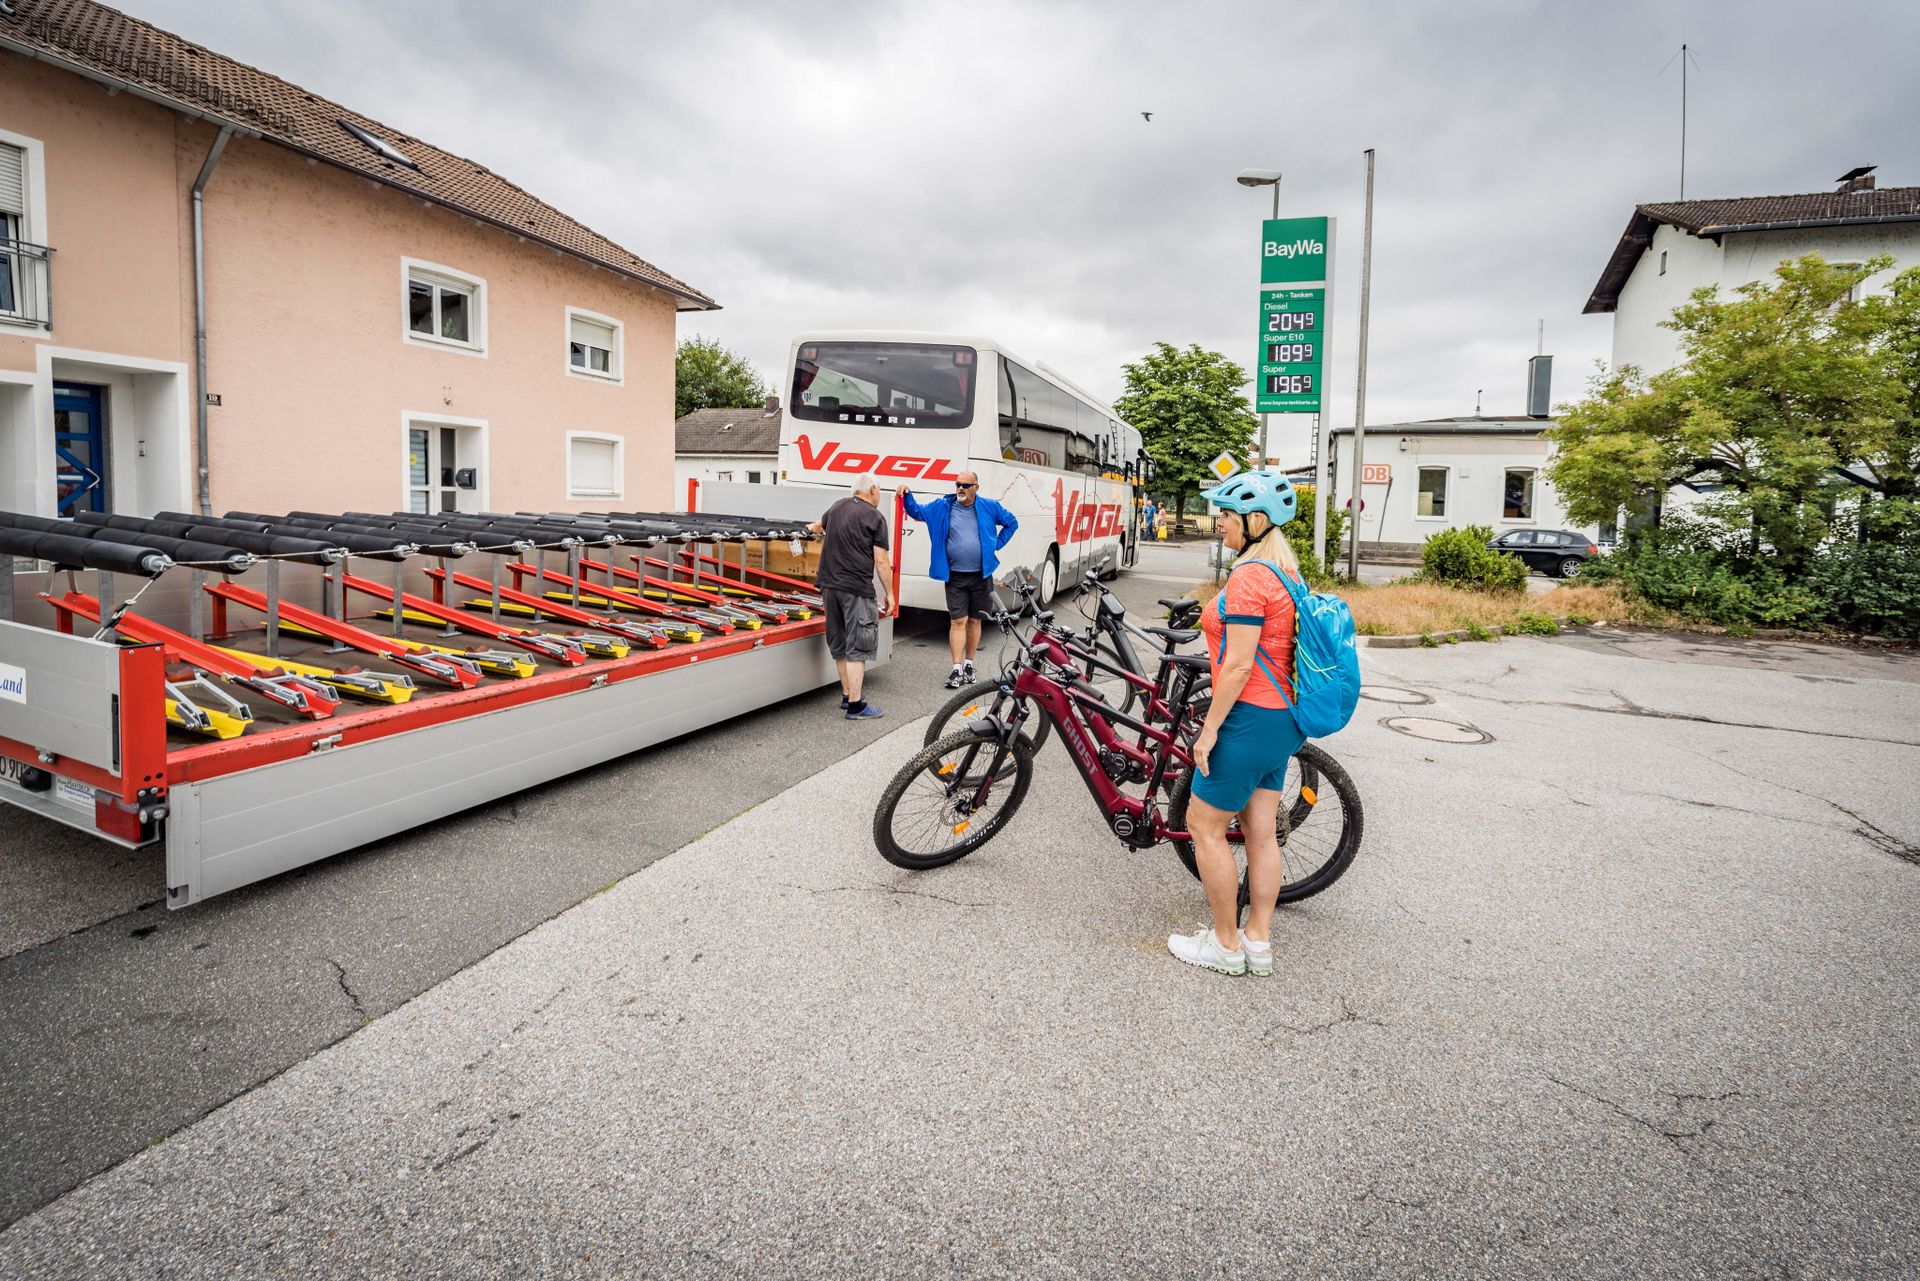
column 385, row 325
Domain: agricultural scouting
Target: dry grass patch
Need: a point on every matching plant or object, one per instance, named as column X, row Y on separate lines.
column 1415, row 609
column 1418, row 609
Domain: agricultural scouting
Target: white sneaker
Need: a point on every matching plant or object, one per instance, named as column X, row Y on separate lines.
column 1204, row 950
column 1259, row 956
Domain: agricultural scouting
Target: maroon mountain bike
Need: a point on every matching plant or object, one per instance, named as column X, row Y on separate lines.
column 958, row 792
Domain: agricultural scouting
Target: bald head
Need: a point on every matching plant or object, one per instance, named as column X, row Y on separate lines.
column 967, row 486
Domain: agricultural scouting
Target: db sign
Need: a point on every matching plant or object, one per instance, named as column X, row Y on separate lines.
column 1376, row 474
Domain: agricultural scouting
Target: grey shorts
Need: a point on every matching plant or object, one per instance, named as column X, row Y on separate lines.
column 853, row 626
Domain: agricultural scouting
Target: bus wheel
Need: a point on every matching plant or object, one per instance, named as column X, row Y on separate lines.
column 1050, row 575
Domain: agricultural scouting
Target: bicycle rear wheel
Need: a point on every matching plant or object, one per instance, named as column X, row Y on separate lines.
column 1320, row 825
column 941, row 806
column 984, row 699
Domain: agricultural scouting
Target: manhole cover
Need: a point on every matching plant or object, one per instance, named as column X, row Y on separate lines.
column 1437, row 731
column 1389, row 694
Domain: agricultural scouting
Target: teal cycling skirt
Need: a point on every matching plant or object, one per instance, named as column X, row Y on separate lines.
column 1251, row 752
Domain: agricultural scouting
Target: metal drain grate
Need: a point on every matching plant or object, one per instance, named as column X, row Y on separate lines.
column 1391, row 694
column 1437, row 731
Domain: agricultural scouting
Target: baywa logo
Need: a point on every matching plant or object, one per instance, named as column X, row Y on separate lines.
column 1298, row 249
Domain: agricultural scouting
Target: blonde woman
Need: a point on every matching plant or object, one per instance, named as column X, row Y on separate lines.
column 1241, row 754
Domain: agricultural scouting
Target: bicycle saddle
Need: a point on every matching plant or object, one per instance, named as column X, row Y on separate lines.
column 1174, row 635
column 1192, row 662
column 1181, row 603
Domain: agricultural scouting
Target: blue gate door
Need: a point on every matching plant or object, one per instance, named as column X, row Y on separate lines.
column 79, row 448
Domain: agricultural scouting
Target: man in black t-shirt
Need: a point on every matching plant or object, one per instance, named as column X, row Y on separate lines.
column 852, row 557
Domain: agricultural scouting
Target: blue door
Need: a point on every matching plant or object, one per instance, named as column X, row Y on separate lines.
column 79, row 448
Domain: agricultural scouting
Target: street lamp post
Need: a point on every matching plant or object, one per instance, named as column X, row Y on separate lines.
column 1360, row 388
column 1262, row 178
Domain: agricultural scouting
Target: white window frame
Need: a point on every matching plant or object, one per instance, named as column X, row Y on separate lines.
column 411, row 419
column 34, row 224
column 1533, row 495
column 438, row 274
column 1446, row 493
column 619, row 444
column 618, row 376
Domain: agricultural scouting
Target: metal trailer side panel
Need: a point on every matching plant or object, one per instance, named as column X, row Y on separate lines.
column 227, row 832
column 60, row 694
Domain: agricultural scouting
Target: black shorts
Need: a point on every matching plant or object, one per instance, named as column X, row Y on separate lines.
column 968, row 595
column 853, row 626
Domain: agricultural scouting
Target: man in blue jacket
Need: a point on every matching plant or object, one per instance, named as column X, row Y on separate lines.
column 967, row 531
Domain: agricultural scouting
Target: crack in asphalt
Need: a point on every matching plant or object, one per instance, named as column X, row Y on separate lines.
column 340, row 976
column 516, row 1029
column 881, row 889
column 495, row 1124
column 1347, row 1015
column 1630, row 708
column 1677, row 1138
column 1867, row 829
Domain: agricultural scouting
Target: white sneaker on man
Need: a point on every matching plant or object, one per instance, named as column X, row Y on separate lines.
column 956, row 678
column 1204, row 950
column 1259, row 956
column 967, row 673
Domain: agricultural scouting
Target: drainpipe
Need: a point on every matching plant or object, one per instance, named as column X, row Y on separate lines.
column 205, row 492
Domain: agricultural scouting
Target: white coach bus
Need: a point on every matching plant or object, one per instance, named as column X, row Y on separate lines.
column 917, row 409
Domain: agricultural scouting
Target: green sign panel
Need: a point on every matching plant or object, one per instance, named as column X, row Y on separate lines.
column 1294, row 250
column 1296, row 263
column 1292, row 351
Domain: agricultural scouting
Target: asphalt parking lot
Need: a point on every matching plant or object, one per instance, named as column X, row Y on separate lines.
column 121, row 1022
column 1626, row 990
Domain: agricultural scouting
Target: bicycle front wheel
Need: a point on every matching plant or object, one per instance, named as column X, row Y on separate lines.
column 951, row 798
column 1320, row 825
column 974, row 702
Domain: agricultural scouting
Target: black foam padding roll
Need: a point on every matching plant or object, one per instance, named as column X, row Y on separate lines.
column 83, row 553
column 42, row 524
column 206, row 555
column 389, row 546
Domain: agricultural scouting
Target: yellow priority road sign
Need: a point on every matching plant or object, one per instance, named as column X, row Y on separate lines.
column 1223, row 466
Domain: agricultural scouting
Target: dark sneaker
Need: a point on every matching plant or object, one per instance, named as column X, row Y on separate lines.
column 867, row 713
column 967, row 672
column 843, row 702
column 955, row 679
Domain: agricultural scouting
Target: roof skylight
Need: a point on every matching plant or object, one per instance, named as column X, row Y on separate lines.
column 379, row 144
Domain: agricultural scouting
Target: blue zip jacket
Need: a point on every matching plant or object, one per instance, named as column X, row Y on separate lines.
column 996, row 529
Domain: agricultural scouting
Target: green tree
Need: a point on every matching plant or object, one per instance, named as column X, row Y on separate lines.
column 1889, row 452
column 1780, row 388
column 1188, row 407
column 708, row 376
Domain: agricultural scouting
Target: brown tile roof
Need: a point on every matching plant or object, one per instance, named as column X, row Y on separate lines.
column 104, row 43
column 727, row 431
column 1747, row 213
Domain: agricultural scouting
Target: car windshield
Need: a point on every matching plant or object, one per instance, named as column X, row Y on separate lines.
column 895, row 384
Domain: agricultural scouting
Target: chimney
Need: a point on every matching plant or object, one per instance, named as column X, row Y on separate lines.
column 1539, row 380
column 1860, row 179
column 773, row 406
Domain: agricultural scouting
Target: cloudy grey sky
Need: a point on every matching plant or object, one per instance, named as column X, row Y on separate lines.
column 984, row 168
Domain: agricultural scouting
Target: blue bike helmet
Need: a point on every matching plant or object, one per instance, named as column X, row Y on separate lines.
column 1266, row 492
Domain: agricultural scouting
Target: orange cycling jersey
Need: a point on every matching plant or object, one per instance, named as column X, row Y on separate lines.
column 1254, row 594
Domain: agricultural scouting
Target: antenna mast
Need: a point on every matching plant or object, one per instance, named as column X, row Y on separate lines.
column 1685, row 55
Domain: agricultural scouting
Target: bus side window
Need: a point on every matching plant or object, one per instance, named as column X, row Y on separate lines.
column 1009, row 414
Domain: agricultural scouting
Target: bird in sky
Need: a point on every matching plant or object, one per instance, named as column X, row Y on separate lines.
column 1147, row 116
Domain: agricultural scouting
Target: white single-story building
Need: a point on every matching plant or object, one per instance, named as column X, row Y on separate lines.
column 1670, row 249
column 738, row 445
column 1446, row 473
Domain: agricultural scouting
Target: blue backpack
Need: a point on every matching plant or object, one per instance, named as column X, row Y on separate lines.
column 1326, row 663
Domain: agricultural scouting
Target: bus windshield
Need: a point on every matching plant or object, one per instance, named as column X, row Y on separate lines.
column 891, row 383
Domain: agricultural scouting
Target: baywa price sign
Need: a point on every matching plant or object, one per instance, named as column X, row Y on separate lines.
column 1295, row 254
